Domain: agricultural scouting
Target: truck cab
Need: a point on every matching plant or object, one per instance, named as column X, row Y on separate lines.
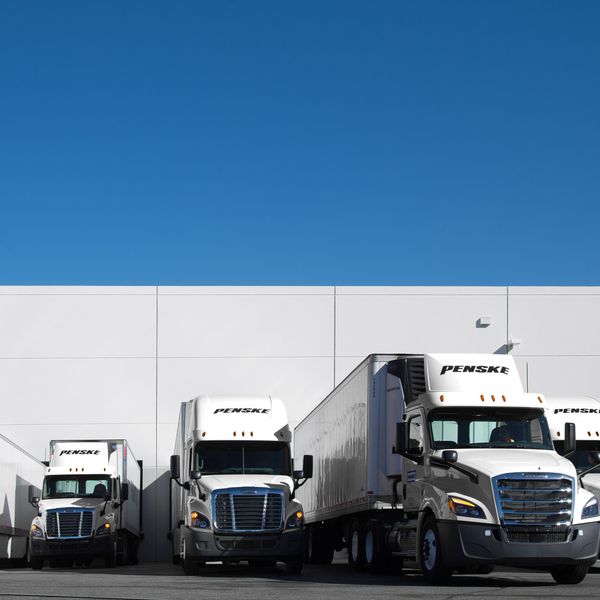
column 90, row 505
column 481, row 482
column 234, row 494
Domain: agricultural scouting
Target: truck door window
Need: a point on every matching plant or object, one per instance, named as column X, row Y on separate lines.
column 445, row 433
column 415, row 435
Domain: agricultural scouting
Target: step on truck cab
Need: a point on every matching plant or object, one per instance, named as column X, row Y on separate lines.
column 90, row 507
column 234, row 493
column 21, row 477
column 468, row 480
column 584, row 413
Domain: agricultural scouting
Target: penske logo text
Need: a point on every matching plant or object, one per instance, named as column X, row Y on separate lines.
column 577, row 410
column 254, row 411
column 94, row 452
column 474, row 369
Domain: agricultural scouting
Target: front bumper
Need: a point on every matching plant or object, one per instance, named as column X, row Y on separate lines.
column 471, row 544
column 206, row 546
column 88, row 547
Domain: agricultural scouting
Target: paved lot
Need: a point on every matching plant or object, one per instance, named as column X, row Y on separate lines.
column 162, row 581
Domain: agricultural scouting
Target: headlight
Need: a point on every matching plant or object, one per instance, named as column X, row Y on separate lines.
column 199, row 520
column 590, row 509
column 36, row 531
column 464, row 508
column 295, row 520
column 104, row 529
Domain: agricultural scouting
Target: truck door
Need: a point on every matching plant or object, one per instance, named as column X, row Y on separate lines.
column 412, row 471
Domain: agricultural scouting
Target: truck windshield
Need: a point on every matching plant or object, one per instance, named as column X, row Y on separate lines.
column 76, row 486
column 489, row 428
column 242, row 458
column 585, row 457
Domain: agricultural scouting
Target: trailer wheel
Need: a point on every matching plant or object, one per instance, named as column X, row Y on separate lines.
column 569, row 574
column 356, row 545
column 431, row 557
column 377, row 558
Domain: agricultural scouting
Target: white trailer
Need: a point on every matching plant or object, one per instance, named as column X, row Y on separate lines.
column 235, row 493
column 443, row 459
column 91, row 505
column 21, row 477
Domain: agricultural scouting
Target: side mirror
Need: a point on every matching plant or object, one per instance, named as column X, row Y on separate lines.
column 450, row 456
column 570, row 438
column 307, row 466
column 34, row 500
column 195, row 475
column 124, row 492
column 400, row 447
column 33, row 497
column 175, row 467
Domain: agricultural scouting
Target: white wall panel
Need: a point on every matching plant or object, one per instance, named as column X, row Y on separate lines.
column 436, row 322
column 555, row 323
column 55, row 391
column 59, row 325
column 245, row 325
column 299, row 382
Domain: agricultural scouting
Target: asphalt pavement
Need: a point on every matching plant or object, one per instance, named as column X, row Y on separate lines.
column 161, row 581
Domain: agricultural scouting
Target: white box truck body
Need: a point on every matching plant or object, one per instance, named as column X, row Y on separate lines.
column 21, row 478
column 468, row 479
column 91, row 505
column 234, row 492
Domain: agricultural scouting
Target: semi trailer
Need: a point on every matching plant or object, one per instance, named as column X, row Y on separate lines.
column 584, row 412
column 443, row 460
column 21, row 476
column 234, row 493
column 90, row 507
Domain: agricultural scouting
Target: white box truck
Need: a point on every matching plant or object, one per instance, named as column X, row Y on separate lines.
column 234, row 498
column 467, row 480
column 90, row 507
column 584, row 413
column 21, row 477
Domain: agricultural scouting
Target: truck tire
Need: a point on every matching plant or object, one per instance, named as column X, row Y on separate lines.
column 123, row 550
column 569, row 574
column 377, row 557
column 294, row 567
column 356, row 545
column 431, row 555
column 133, row 552
column 318, row 547
column 110, row 559
column 37, row 564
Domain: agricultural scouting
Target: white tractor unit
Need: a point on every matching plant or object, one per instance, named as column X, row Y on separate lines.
column 234, row 498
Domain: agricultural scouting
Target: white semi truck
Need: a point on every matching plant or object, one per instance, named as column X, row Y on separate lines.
column 90, row 507
column 21, row 477
column 466, row 480
column 584, row 412
column 234, row 498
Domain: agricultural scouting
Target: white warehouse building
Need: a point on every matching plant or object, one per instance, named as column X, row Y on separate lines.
column 116, row 362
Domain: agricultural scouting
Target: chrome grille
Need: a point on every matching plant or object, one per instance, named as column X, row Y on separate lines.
column 248, row 509
column 533, row 507
column 69, row 523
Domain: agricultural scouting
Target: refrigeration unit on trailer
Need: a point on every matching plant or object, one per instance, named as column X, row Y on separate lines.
column 90, row 507
column 443, row 459
column 21, row 476
column 234, row 498
column 584, row 413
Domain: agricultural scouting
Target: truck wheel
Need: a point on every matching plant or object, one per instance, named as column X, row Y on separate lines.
column 377, row 558
column 356, row 545
column 190, row 567
column 432, row 560
column 37, row 564
column 318, row 546
column 122, row 550
column 293, row 567
column 110, row 560
column 569, row 574
column 133, row 552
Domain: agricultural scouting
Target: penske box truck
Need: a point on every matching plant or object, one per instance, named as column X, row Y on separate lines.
column 21, row 477
column 90, row 507
column 234, row 493
column 443, row 459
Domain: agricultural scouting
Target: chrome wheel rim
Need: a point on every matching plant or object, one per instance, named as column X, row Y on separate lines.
column 354, row 546
column 429, row 552
column 369, row 547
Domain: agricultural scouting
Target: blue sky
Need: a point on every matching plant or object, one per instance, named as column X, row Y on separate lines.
column 286, row 142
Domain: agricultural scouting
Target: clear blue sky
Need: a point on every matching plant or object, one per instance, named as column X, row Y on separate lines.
column 291, row 142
